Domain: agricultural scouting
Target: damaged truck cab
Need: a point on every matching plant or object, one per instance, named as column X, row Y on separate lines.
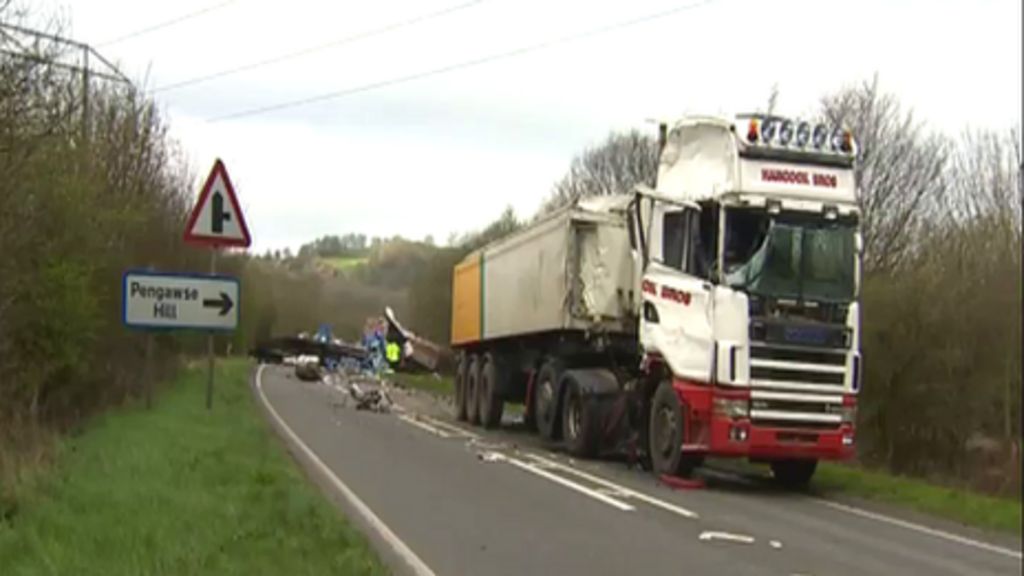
column 714, row 314
column 749, row 251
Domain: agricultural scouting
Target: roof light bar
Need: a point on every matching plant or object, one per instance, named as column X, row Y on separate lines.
column 775, row 132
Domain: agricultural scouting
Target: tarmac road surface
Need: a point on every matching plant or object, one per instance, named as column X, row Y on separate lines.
column 441, row 498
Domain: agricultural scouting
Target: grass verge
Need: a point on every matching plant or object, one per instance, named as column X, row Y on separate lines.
column 180, row 490
column 958, row 505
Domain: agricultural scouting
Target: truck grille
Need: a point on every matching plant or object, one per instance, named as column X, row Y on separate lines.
column 796, row 410
column 797, row 369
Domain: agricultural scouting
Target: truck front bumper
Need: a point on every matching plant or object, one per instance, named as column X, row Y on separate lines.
column 745, row 439
column 714, row 434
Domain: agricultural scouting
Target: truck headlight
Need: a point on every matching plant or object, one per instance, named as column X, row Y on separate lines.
column 734, row 408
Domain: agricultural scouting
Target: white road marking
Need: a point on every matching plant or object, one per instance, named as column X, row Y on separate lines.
column 417, row 565
column 458, row 430
column 424, row 426
column 775, row 544
column 922, row 529
column 728, row 536
column 622, row 490
column 609, row 490
column 570, row 484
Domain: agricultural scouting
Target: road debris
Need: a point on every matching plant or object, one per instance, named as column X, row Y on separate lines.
column 490, row 456
column 677, row 483
column 775, row 544
column 726, row 536
column 375, row 399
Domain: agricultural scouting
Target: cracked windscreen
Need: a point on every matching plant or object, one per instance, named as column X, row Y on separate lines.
column 789, row 257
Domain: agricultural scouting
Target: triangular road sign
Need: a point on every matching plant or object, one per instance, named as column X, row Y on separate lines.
column 217, row 218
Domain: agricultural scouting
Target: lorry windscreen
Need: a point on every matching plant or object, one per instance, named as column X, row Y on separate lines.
column 791, row 257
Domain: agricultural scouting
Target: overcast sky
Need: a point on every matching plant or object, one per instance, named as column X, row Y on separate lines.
column 448, row 152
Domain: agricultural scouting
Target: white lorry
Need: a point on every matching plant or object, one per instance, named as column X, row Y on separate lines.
column 714, row 314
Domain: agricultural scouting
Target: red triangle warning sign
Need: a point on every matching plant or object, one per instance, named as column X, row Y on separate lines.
column 217, row 218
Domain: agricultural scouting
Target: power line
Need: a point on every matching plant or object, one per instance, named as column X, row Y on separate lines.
column 461, row 65
column 318, row 48
column 167, row 23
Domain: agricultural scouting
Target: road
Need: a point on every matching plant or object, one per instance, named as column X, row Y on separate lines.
column 440, row 498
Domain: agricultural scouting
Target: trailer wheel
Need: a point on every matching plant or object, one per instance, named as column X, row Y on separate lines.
column 580, row 421
column 793, row 474
column 490, row 392
column 545, row 399
column 461, row 372
column 665, row 437
column 473, row 390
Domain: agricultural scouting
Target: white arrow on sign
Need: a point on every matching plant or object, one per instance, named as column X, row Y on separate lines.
column 165, row 300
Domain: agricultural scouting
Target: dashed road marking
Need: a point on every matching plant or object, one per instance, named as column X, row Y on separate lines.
column 570, row 484
column 624, row 491
column 609, row 492
column 424, row 426
column 457, row 430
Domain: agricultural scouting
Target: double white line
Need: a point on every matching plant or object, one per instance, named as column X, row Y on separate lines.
column 608, row 492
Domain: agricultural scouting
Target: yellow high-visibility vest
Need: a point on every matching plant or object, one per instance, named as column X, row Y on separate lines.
column 393, row 352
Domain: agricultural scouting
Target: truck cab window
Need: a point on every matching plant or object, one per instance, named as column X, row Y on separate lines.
column 746, row 231
column 674, row 237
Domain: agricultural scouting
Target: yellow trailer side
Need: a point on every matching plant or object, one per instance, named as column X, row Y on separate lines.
column 466, row 300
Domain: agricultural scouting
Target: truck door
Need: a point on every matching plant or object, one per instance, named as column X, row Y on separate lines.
column 676, row 306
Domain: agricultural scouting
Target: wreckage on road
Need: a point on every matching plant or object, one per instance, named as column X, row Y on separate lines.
column 276, row 350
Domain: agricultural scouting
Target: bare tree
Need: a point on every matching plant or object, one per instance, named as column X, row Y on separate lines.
column 615, row 166
column 900, row 173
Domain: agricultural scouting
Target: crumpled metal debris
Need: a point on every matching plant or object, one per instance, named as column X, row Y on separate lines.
column 375, row 399
column 490, row 456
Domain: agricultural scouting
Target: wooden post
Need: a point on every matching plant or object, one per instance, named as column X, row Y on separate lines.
column 148, row 384
column 148, row 372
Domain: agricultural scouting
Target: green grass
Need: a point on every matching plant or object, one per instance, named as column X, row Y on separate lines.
column 179, row 490
column 959, row 505
column 344, row 264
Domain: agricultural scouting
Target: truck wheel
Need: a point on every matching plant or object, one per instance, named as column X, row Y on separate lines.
column 665, row 436
column 473, row 390
column 793, row 474
column 461, row 371
column 580, row 421
column 545, row 399
column 489, row 392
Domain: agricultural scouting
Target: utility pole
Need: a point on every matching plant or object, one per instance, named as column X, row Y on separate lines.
column 93, row 64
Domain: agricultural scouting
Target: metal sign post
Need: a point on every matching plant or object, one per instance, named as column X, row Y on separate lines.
column 209, row 341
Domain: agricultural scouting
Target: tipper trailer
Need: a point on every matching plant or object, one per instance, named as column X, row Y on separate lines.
column 715, row 314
